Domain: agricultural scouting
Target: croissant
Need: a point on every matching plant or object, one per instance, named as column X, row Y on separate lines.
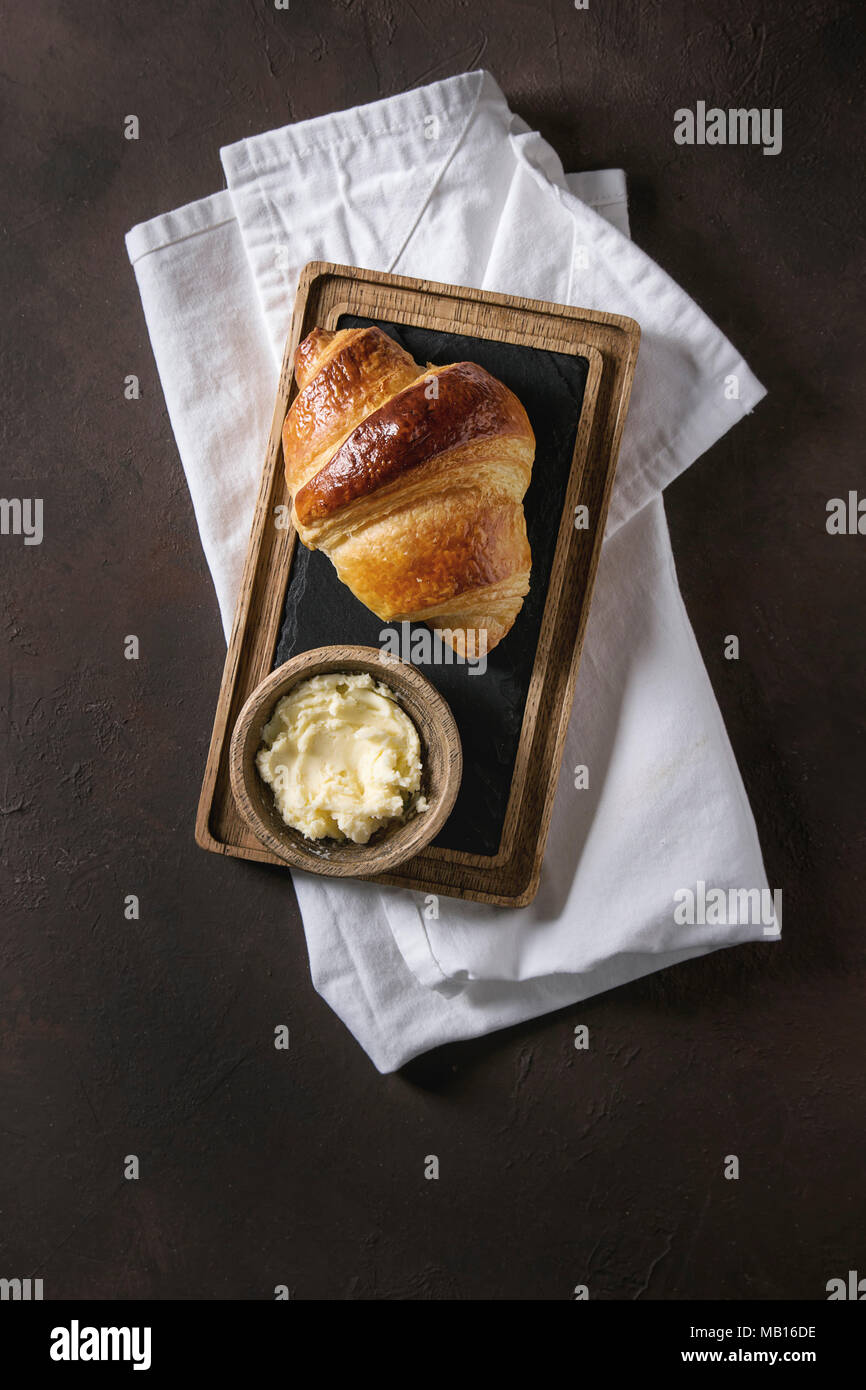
column 411, row 480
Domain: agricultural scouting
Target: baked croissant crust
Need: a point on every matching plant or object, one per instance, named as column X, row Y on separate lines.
column 412, row 480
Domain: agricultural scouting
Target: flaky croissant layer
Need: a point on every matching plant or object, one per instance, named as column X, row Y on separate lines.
column 412, row 481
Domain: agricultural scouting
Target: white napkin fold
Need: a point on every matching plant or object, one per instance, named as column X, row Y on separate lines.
column 446, row 183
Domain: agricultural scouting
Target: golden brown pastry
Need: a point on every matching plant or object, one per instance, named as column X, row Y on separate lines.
column 411, row 480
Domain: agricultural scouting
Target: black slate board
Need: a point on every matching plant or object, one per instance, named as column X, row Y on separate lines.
column 488, row 707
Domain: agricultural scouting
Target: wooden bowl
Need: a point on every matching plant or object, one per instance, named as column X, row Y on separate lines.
column 441, row 759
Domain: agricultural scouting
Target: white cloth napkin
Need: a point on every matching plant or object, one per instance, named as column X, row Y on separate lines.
column 445, row 182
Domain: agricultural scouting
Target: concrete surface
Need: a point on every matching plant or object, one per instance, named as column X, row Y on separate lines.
column 155, row 1037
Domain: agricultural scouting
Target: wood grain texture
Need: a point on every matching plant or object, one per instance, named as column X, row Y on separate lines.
column 610, row 344
column 441, row 760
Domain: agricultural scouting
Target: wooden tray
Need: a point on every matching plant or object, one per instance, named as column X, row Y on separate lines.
column 608, row 344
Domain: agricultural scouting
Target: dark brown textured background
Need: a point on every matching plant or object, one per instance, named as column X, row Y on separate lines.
column 305, row 1168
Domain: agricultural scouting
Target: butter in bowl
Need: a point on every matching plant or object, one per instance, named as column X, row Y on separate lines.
column 345, row 761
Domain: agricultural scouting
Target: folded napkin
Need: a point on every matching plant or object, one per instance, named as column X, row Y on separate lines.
column 445, row 182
